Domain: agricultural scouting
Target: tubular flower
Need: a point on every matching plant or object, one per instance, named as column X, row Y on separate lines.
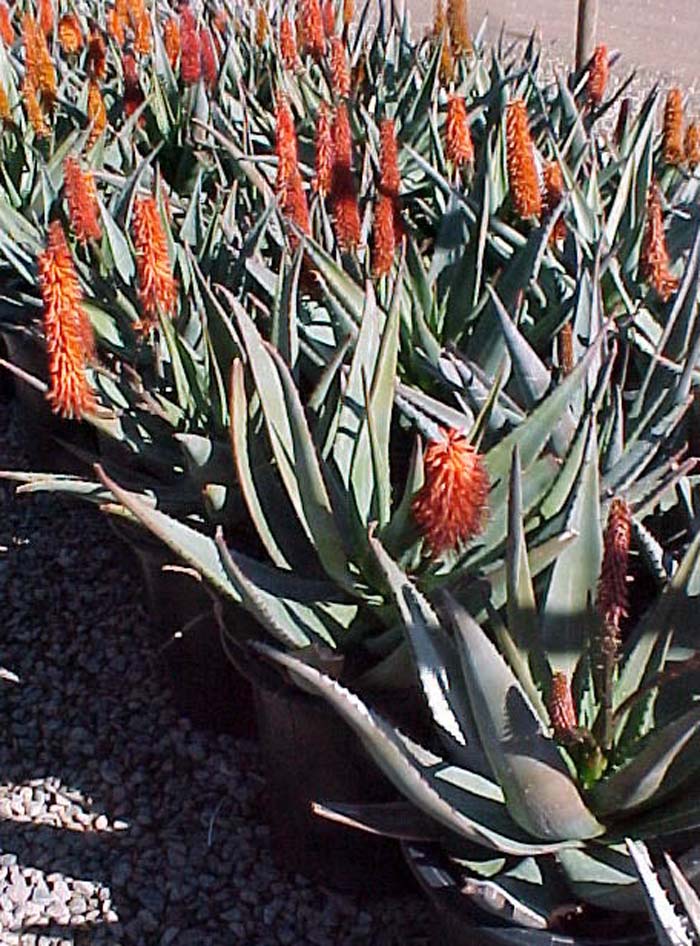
column 115, row 26
column 171, row 39
column 458, row 140
column 692, row 145
column 340, row 72
column 390, row 179
column 654, row 257
column 613, row 596
column 346, row 212
column 348, row 12
column 383, row 240
column 673, row 127
column 46, row 16
column 70, row 36
column 33, row 109
column 262, row 26
column 210, row 69
column 285, row 147
column 597, row 76
column 565, row 348
column 520, row 156
column 324, row 151
column 190, row 64
column 81, row 195
column 133, row 93
column 157, row 286
column 288, row 44
column 7, row 33
column 450, row 507
column 142, row 34
column 328, row 16
column 560, row 706
column 342, row 135
column 69, row 339
column 97, row 113
column 5, row 110
column 458, row 23
column 553, row 181
column 312, row 20
column 97, row 53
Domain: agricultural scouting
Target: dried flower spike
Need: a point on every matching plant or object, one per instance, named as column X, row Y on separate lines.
column 458, row 23
column 324, row 151
column 439, row 19
column 262, row 26
column 81, row 195
column 565, row 348
column 560, row 705
column 383, row 237
column 157, row 287
column 597, row 76
column 7, row 33
column 96, row 111
column 288, row 44
column 692, row 145
column 520, row 156
column 69, row 339
column 451, row 506
column 340, row 71
column 447, row 63
column 613, row 595
column 655, row 261
column 70, row 35
column 458, row 140
column 673, row 128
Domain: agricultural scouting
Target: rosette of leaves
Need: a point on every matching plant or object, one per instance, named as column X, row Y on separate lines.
column 531, row 821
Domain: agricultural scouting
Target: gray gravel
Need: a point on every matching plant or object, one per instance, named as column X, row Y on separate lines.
column 119, row 823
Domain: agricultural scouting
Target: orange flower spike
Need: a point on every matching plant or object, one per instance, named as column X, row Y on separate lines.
column 692, row 145
column 157, row 287
column 97, row 53
column 613, row 594
column 40, row 69
column 133, row 93
column 210, row 68
column 383, row 239
column 46, row 16
column 33, row 109
column 81, row 196
column 450, row 508
column 348, row 12
column 654, row 256
column 115, row 26
column 313, row 34
column 458, row 140
column 342, row 135
column 390, row 176
column 673, row 128
column 553, row 181
column 190, row 57
column 69, row 339
column 520, row 158
column 262, row 26
column 5, row 110
column 597, row 76
column 458, row 22
column 324, row 151
column 340, row 71
column 96, row 111
column 562, row 712
column 328, row 16
column 142, row 34
column 7, row 33
column 297, row 207
column 288, row 44
column 70, row 35
column 346, row 212
column 171, row 39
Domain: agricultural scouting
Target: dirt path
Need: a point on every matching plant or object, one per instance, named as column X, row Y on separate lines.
column 662, row 36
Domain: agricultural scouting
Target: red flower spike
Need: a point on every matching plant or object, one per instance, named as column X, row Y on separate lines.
column 562, row 712
column 7, row 33
column 324, row 151
column 288, row 44
column 613, row 594
column 597, row 76
column 328, row 16
column 190, row 56
column 383, row 240
column 97, row 54
column 69, row 338
column 451, row 506
column 312, row 19
column 673, row 128
column 346, row 212
column 522, row 170
column 133, row 93
column 210, row 68
column 655, row 260
column 46, row 16
column 458, row 140
column 70, row 35
column 81, row 195
column 340, row 71
column 157, row 287
column 342, row 135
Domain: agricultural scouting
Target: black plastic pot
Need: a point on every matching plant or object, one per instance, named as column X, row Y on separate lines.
column 207, row 688
column 311, row 755
column 460, row 922
column 47, row 438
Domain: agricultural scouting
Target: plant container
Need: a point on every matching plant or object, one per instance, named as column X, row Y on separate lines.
column 311, row 755
column 461, row 922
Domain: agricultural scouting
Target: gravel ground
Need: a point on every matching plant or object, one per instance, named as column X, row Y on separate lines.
column 119, row 823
